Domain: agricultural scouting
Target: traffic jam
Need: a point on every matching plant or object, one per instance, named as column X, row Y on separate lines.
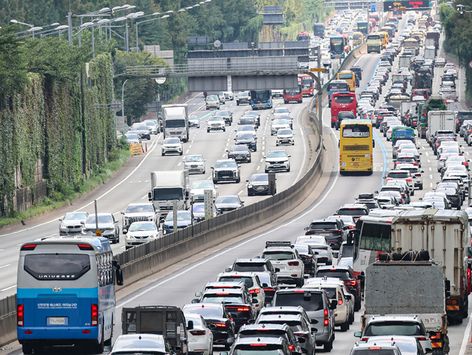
column 339, row 272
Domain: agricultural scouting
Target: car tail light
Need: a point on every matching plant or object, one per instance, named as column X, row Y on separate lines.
column 364, row 339
column 197, row 332
column 340, row 301
column 29, row 246
column 94, row 311
column 351, row 282
column 291, row 347
column 326, row 317
column 85, row 246
column 220, row 325
column 20, row 315
column 269, row 289
column 255, row 291
column 293, row 263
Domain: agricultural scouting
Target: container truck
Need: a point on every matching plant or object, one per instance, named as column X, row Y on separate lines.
column 444, row 234
column 169, row 188
column 440, row 121
column 175, row 121
column 429, row 53
column 168, row 321
column 433, row 103
column 408, row 288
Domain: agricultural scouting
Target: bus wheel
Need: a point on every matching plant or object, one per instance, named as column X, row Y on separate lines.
column 27, row 349
column 99, row 347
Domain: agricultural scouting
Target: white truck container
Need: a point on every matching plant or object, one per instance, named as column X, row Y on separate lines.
column 429, row 52
column 439, row 121
column 404, row 61
column 388, row 293
column 175, row 121
column 168, row 188
column 443, row 233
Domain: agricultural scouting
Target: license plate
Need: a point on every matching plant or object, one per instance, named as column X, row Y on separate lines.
column 57, row 320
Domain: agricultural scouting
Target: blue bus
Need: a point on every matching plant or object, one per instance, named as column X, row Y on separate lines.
column 260, row 99
column 66, row 293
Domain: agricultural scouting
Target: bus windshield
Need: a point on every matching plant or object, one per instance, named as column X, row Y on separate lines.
column 338, row 87
column 260, row 95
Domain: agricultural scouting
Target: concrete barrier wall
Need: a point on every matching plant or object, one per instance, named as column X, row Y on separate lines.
column 152, row 257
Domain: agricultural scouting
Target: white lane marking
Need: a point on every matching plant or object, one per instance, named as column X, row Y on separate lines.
column 427, row 154
column 465, row 340
column 3, row 266
column 7, row 288
column 431, row 176
column 250, row 240
column 300, row 171
column 153, row 146
column 430, row 169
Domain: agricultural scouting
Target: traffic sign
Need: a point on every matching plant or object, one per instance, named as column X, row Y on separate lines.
column 373, row 7
column 136, row 149
column 318, row 70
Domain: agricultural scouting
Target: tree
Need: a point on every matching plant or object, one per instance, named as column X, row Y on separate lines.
column 138, row 91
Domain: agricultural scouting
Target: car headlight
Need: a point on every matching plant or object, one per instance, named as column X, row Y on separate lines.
column 250, row 186
column 62, row 228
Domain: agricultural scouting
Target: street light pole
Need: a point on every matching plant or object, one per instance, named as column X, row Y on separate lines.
column 126, row 36
column 69, row 30
column 123, row 99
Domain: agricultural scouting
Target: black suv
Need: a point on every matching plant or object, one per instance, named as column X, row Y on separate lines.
column 240, row 153
column 333, row 231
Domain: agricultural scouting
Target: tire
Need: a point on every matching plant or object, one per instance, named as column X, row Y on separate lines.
column 237, row 103
column 162, row 154
column 351, row 318
column 328, row 346
column 357, row 304
column 27, row 349
column 100, row 346
column 238, row 180
column 345, row 326
column 288, row 170
column 109, row 341
column 250, row 193
column 181, row 153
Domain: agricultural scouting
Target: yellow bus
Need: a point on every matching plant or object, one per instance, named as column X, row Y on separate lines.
column 385, row 38
column 356, row 147
column 349, row 77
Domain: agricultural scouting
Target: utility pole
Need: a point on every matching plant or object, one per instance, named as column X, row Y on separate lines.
column 69, row 30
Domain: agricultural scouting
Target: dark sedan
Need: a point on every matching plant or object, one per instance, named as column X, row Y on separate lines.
column 240, row 153
column 258, row 184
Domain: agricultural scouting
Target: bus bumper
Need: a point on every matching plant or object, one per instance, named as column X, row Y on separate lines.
column 56, row 335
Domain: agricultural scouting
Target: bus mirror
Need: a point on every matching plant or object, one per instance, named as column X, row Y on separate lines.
column 118, row 273
column 373, row 143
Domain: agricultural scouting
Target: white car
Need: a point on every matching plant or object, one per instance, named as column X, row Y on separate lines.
column 172, row 145
column 228, row 95
column 194, row 164
column 198, row 187
column 140, row 344
column 277, row 160
column 251, row 281
column 335, row 289
column 200, row 337
column 140, row 233
column 212, row 101
column 72, row 223
column 284, row 257
column 278, row 124
column 284, row 136
column 216, row 123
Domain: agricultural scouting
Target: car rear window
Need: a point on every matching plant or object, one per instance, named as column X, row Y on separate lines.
column 352, row 212
column 323, row 225
column 393, row 328
column 278, row 255
column 374, row 352
column 246, row 279
column 310, row 301
column 343, row 275
column 249, row 267
column 398, row 174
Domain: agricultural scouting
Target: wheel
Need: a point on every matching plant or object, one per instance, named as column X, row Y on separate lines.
column 224, row 129
column 357, row 304
column 181, row 153
column 351, row 318
column 345, row 326
column 237, row 103
column 238, row 180
column 208, row 131
column 277, row 144
column 162, row 153
column 328, row 346
column 99, row 347
column 215, row 181
column 108, row 341
column 288, row 169
column 27, row 349
column 465, row 308
column 249, row 193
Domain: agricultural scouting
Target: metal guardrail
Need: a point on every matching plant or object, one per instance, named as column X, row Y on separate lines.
column 144, row 259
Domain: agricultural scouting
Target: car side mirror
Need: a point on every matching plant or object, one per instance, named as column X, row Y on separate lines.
column 265, row 285
column 60, row 219
column 190, row 325
column 149, row 196
column 118, row 273
column 357, row 334
column 228, row 269
column 195, row 300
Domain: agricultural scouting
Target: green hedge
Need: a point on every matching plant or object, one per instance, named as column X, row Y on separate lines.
column 58, row 130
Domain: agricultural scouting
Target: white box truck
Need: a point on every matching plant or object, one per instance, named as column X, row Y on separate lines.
column 444, row 234
column 408, row 288
column 169, row 188
column 429, row 53
column 175, row 121
column 439, row 121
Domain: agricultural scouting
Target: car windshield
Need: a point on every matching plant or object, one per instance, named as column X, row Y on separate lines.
column 143, row 227
column 323, row 225
column 212, row 98
column 203, row 184
column 205, row 312
column 245, row 136
column 139, row 208
column 240, row 148
column 347, row 251
column 248, row 282
column 281, row 132
column 277, row 255
column 393, row 328
column 310, row 301
column 278, row 110
column 74, row 216
column 277, row 154
column 181, row 216
column 193, row 158
column 398, row 174
column 132, row 136
column 225, row 164
column 150, row 123
column 223, row 114
column 171, row 141
column 228, row 199
column 105, row 219
column 260, row 177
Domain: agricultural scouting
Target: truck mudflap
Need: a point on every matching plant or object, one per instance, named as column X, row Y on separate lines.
column 439, row 343
column 457, row 309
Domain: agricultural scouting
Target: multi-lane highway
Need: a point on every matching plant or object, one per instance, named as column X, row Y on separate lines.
column 133, row 183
